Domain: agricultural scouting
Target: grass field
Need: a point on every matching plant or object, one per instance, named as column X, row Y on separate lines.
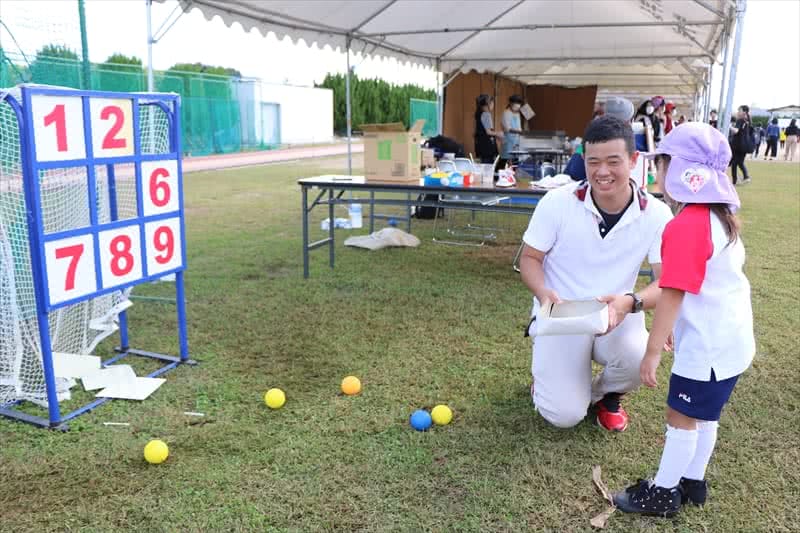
column 419, row 326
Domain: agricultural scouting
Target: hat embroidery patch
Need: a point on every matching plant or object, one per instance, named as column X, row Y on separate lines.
column 695, row 178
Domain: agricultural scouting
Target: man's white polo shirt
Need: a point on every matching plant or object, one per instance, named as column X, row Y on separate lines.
column 580, row 264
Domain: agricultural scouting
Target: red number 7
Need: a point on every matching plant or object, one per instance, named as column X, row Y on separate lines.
column 74, row 252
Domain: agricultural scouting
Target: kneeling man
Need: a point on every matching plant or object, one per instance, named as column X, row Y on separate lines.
column 588, row 240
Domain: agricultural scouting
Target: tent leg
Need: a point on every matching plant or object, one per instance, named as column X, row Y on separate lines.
column 741, row 7
column 439, row 99
column 150, row 84
column 725, row 50
column 348, row 111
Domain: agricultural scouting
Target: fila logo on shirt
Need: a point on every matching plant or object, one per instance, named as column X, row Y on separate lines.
column 685, row 398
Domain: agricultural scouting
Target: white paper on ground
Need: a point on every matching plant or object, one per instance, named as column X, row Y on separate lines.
column 138, row 389
column 106, row 377
column 576, row 317
column 67, row 365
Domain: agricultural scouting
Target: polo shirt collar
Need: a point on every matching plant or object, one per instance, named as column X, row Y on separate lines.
column 583, row 193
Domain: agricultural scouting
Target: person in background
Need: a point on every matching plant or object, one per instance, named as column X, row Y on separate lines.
column 681, row 120
column 702, row 261
column 757, row 136
column 740, row 143
column 512, row 128
column 669, row 112
column 712, row 118
column 485, row 134
column 644, row 115
column 792, row 132
column 773, row 132
column 599, row 110
column 782, row 138
column 620, row 108
column 659, row 106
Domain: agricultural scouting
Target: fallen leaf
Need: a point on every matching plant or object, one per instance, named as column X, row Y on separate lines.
column 600, row 520
column 600, row 485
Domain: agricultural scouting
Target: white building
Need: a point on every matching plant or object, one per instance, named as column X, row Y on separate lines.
column 285, row 114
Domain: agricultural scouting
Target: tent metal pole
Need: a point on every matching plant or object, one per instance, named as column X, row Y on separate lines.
column 709, row 80
column 741, row 7
column 439, row 98
column 348, row 112
column 150, row 82
column 565, row 59
column 725, row 49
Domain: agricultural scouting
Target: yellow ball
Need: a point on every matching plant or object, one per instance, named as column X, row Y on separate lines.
column 275, row 398
column 351, row 385
column 156, row 452
column 441, row 415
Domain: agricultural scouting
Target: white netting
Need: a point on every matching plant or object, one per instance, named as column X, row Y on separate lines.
column 65, row 205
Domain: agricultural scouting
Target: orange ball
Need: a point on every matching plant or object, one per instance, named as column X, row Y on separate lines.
column 351, row 385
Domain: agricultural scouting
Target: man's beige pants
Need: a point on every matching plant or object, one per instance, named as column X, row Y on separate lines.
column 562, row 369
column 791, row 148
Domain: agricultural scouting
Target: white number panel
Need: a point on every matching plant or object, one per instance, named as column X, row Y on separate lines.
column 159, row 187
column 163, row 248
column 58, row 127
column 70, row 268
column 112, row 126
column 120, row 255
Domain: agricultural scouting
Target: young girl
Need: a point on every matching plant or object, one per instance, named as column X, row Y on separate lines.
column 705, row 301
column 485, row 133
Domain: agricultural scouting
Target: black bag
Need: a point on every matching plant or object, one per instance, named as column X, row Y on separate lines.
column 445, row 145
column 427, row 212
column 746, row 138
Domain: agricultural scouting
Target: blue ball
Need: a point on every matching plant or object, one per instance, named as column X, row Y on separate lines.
column 392, row 222
column 421, row 420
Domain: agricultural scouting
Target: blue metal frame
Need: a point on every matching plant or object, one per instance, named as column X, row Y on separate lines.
column 168, row 103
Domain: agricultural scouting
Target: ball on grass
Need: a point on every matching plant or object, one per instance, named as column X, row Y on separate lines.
column 441, row 415
column 274, row 398
column 420, row 420
column 351, row 385
column 156, row 452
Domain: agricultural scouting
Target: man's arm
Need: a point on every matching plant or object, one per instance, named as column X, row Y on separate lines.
column 532, row 270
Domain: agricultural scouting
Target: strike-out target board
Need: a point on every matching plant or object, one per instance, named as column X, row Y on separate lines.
column 111, row 136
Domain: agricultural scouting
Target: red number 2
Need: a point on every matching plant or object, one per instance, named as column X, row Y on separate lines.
column 110, row 141
column 121, row 252
column 74, row 252
column 164, row 242
column 58, row 117
column 159, row 186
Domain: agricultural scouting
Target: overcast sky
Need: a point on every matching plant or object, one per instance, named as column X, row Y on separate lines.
column 768, row 69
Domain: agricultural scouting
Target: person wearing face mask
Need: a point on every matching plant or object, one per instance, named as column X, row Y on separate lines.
column 512, row 127
column 658, row 119
column 485, row 134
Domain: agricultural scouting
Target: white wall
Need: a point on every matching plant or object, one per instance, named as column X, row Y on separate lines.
column 306, row 113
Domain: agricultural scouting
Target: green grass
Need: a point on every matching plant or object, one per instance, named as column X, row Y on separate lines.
column 422, row 326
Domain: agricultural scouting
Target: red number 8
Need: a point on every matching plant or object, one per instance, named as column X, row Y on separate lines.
column 159, row 188
column 121, row 251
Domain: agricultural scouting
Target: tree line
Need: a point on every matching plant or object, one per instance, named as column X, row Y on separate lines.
column 373, row 101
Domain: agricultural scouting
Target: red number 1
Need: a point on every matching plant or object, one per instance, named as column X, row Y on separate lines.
column 74, row 252
column 58, row 117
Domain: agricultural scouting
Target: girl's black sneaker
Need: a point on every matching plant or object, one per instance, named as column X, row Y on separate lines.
column 693, row 491
column 648, row 499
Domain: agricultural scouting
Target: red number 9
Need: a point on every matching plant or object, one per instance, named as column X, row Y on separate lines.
column 164, row 242
column 159, row 188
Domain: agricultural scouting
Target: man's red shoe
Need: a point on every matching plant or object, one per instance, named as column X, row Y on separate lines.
column 610, row 414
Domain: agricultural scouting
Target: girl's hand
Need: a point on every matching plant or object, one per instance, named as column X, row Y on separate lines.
column 647, row 370
column 670, row 344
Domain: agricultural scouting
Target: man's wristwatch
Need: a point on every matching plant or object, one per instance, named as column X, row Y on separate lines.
column 638, row 303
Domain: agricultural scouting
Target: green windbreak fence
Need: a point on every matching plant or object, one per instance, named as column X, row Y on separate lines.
column 212, row 106
column 425, row 109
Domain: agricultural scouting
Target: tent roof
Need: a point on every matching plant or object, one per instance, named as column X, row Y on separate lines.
column 641, row 46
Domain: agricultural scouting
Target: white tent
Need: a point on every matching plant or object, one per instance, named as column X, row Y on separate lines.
column 634, row 48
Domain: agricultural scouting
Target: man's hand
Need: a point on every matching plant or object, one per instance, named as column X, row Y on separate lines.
column 647, row 370
column 548, row 295
column 619, row 305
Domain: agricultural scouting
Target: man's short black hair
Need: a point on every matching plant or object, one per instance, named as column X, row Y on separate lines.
column 608, row 128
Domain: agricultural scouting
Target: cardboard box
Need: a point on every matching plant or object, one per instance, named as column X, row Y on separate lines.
column 392, row 154
column 428, row 158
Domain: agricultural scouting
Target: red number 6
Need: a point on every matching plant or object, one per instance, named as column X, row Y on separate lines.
column 159, row 188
